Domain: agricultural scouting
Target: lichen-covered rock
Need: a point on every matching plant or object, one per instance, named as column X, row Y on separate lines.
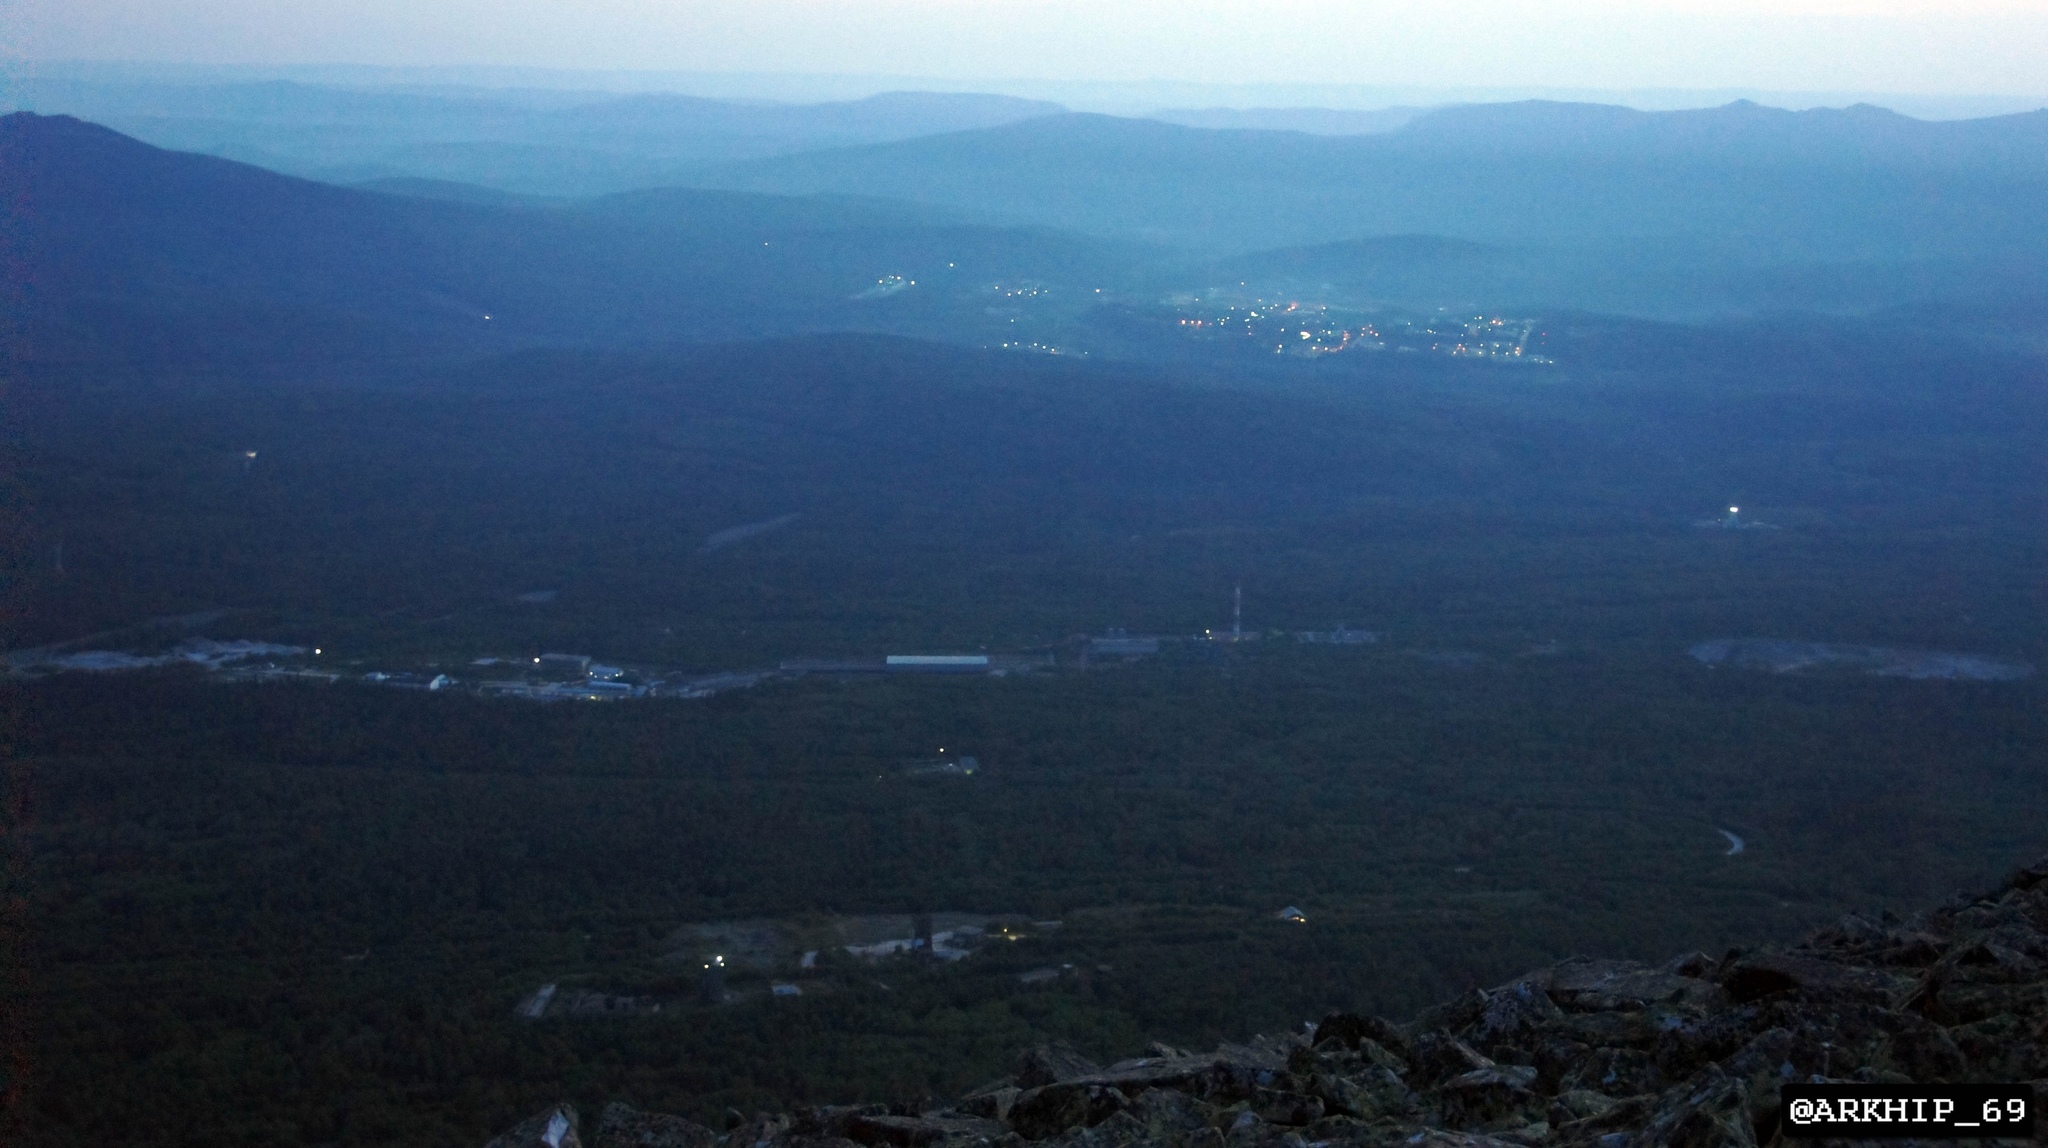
column 1515, row 1011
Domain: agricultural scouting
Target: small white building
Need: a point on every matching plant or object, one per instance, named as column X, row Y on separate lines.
column 937, row 663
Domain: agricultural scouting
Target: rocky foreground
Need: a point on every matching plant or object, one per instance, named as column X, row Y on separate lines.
column 1593, row 1053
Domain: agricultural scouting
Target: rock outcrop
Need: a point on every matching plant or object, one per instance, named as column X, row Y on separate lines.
column 553, row 1128
column 1584, row 1054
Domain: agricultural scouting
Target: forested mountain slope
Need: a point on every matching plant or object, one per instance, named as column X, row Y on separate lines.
column 119, row 245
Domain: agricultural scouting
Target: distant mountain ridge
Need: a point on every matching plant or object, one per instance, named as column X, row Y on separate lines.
column 1314, row 121
column 1740, row 132
column 1775, row 186
column 543, row 143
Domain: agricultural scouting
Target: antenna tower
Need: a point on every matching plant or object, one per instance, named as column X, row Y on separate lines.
column 1237, row 616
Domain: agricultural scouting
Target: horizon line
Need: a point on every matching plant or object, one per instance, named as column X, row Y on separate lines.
column 1348, row 95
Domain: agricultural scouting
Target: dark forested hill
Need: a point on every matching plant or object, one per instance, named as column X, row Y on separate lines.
column 118, row 245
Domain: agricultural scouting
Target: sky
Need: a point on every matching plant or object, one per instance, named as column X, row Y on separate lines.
column 1952, row 47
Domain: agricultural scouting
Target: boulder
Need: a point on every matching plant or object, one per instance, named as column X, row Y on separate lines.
column 990, row 1103
column 1579, row 1104
column 760, row 1132
column 1637, row 1028
column 919, row 1131
column 1441, row 1138
column 1498, row 1094
column 1921, row 1049
column 1606, row 986
column 1811, row 979
column 1050, row 1064
column 1616, row 1072
column 1275, row 1106
column 1246, row 1130
column 1710, row 1111
column 1458, row 1014
column 1170, row 1116
column 554, row 1127
column 1054, row 1108
column 1439, row 1056
column 1121, row 1130
column 623, row 1126
column 1136, row 1075
column 1350, row 1030
column 1618, row 1115
column 1367, row 1096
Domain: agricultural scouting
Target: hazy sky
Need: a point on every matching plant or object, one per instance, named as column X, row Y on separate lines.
column 1954, row 46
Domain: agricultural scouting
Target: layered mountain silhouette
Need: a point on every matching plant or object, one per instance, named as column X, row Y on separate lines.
column 1315, row 121
column 1750, row 182
column 115, row 243
column 113, row 239
column 534, row 142
column 1744, row 133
